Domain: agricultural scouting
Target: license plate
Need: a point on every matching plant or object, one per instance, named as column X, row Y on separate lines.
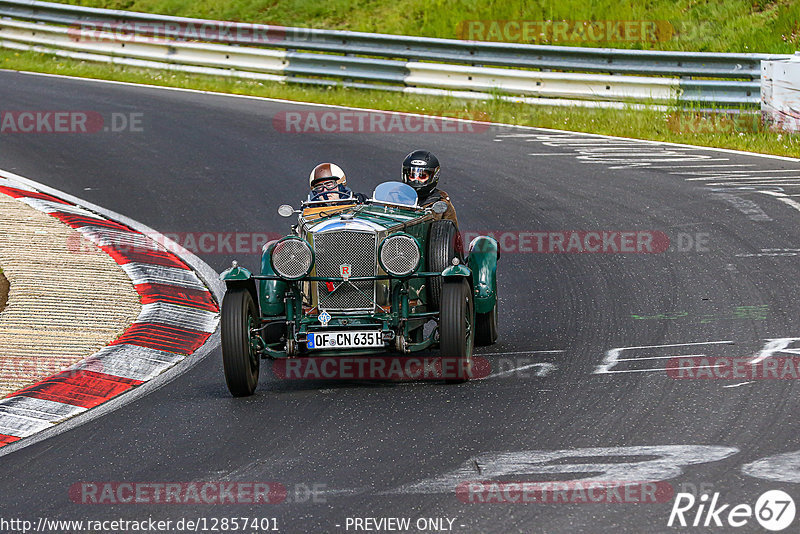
column 351, row 339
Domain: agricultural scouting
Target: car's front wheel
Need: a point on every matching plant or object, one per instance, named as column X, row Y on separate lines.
column 239, row 360
column 457, row 331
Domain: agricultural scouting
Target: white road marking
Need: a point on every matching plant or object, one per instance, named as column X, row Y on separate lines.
column 611, row 358
column 788, row 201
column 635, row 149
column 590, row 143
column 702, row 166
column 624, row 153
column 739, row 384
column 725, row 180
column 753, row 171
column 660, row 357
column 777, row 468
column 768, row 255
column 735, row 178
column 669, row 462
column 661, row 369
column 544, row 369
column 775, row 346
column 754, row 185
column 746, row 206
column 520, row 352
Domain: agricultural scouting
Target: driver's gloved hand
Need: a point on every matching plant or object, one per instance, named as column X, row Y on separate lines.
column 360, row 198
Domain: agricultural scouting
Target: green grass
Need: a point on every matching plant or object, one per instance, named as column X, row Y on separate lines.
column 702, row 25
column 647, row 124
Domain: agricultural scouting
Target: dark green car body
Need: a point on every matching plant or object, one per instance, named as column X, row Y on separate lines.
column 349, row 285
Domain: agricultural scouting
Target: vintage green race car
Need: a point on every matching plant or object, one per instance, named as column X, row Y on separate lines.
column 361, row 280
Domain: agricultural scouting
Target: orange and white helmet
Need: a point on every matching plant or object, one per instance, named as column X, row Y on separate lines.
column 325, row 172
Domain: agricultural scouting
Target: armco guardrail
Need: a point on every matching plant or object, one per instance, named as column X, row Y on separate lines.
column 780, row 93
column 401, row 63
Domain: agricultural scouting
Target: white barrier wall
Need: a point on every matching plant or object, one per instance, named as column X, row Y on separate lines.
column 780, row 93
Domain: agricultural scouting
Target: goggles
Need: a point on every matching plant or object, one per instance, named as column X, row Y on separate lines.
column 327, row 185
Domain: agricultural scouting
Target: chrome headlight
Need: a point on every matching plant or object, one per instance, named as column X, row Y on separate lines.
column 399, row 254
column 292, row 258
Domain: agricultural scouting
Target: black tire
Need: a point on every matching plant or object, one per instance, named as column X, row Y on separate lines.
column 486, row 327
column 441, row 251
column 457, row 328
column 241, row 365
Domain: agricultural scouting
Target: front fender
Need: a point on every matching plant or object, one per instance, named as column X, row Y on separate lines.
column 457, row 271
column 239, row 277
column 482, row 260
column 235, row 273
column 273, row 292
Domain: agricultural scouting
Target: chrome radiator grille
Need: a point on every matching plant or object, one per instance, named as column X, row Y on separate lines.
column 334, row 249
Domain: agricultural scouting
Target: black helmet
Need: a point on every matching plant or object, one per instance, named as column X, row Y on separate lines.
column 421, row 171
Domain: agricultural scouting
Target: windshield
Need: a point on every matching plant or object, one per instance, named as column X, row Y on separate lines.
column 395, row 193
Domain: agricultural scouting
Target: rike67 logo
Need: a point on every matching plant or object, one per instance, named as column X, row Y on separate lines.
column 774, row 510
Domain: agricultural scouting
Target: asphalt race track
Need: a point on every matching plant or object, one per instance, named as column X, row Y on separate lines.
column 727, row 286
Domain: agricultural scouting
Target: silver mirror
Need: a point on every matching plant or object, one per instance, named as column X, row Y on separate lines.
column 440, row 206
column 286, row 211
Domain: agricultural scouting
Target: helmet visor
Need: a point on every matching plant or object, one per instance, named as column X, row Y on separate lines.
column 419, row 176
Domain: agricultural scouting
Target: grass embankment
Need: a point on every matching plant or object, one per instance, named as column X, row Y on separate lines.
column 708, row 26
column 730, row 25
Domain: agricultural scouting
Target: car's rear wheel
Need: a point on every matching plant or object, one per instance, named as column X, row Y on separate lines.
column 441, row 251
column 457, row 330
column 239, row 360
column 486, row 327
